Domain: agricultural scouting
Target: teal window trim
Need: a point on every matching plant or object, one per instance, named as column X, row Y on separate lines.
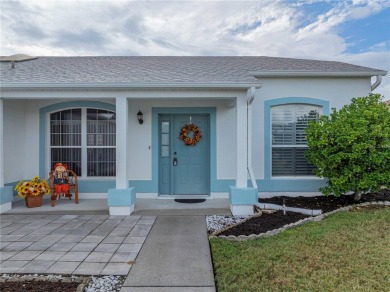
column 56, row 107
column 212, row 112
column 268, row 104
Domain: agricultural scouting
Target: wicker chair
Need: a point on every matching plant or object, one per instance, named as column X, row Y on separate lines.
column 73, row 187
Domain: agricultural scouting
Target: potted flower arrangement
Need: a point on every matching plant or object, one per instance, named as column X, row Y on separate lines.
column 32, row 191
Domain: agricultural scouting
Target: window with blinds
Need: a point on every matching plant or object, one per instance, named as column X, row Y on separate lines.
column 289, row 138
column 85, row 140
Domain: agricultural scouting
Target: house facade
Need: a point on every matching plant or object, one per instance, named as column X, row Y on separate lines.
column 249, row 116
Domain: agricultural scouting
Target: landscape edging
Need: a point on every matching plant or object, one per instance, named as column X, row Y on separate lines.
column 299, row 222
column 310, row 212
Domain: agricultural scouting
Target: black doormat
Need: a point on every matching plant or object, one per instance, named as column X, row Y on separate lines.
column 190, row 201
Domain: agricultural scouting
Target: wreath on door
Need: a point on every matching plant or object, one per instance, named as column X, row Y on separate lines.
column 190, row 134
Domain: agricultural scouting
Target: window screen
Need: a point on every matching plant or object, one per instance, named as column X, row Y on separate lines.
column 101, row 129
column 85, row 140
column 65, row 139
column 289, row 138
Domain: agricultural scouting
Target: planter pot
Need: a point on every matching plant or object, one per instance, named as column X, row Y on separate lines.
column 33, row 202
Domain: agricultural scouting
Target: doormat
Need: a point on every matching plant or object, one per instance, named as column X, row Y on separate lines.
column 190, row 201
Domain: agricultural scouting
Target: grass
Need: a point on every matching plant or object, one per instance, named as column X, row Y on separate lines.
column 347, row 251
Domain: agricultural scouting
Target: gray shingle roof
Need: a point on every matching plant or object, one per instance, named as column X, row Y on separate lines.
column 161, row 69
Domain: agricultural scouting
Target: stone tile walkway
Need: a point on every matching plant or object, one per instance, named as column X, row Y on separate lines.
column 71, row 244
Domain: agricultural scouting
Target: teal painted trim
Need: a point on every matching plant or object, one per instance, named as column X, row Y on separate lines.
column 13, row 185
column 121, row 197
column 147, row 186
column 267, row 122
column 6, row 194
column 144, row 186
column 85, row 186
column 242, row 196
column 211, row 111
column 290, row 185
column 222, row 185
column 95, row 186
column 56, row 107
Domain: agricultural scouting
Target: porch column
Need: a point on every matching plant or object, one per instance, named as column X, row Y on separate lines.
column 241, row 197
column 121, row 200
column 122, row 126
column 6, row 194
column 242, row 143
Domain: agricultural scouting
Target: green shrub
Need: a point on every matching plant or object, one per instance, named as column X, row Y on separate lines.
column 351, row 147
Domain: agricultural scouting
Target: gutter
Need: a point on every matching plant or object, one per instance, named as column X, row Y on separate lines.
column 142, row 85
column 316, row 74
column 377, row 82
column 250, row 97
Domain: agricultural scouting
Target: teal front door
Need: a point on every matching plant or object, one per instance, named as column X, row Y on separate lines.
column 183, row 169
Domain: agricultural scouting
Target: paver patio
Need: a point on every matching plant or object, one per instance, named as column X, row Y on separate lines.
column 71, row 244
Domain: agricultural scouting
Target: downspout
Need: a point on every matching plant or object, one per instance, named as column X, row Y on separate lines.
column 250, row 97
column 377, row 82
column 2, row 172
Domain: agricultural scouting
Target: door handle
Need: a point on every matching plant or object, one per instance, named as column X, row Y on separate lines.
column 174, row 161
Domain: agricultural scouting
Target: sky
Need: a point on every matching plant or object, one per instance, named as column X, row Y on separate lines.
column 356, row 31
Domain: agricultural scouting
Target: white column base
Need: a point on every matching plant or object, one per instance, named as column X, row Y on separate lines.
column 121, row 211
column 5, row 207
column 242, row 210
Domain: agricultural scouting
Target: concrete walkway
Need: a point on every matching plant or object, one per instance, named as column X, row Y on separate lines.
column 175, row 257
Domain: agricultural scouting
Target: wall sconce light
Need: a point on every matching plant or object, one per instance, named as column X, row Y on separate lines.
column 140, row 117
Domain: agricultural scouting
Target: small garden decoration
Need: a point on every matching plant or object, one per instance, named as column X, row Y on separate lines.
column 185, row 134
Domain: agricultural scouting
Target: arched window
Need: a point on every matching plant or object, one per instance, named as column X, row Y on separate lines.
column 288, row 139
column 84, row 138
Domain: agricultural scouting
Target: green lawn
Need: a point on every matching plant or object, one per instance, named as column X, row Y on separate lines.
column 347, row 251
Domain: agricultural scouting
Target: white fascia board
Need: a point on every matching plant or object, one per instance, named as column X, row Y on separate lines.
column 315, row 74
column 120, row 86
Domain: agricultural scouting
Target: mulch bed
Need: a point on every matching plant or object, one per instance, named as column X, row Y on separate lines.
column 327, row 203
column 268, row 222
column 41, row 286
column 264, row 223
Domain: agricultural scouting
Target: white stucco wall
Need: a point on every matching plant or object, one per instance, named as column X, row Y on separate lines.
column 21, row 120
column 338, row 91
column 14, row 141
column 21, row 137
column 140, row 155
column 22, row 125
